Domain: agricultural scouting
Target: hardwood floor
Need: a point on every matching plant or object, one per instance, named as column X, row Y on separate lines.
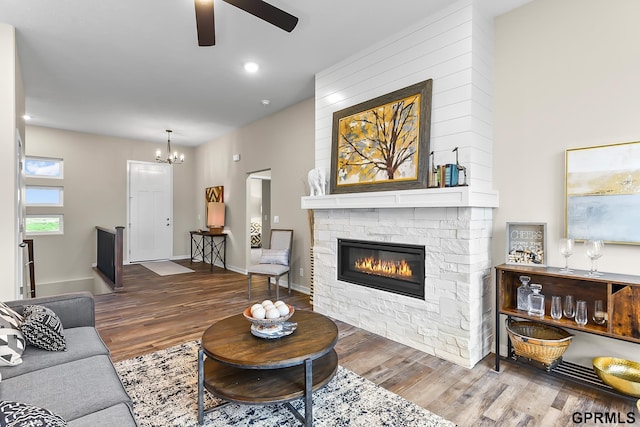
column 157, row 312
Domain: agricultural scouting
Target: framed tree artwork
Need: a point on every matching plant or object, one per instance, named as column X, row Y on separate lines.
column 383, row 144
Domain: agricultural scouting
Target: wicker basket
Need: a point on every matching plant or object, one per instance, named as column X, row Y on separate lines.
column 539, row 342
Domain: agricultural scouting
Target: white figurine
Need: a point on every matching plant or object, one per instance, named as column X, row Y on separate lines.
column 317, row 182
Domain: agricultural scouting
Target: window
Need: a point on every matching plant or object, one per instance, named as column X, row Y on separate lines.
column 44, row 224
column 43, row 196
column 43, row 167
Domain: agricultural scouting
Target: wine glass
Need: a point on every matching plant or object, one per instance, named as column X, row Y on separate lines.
column 565, row 246
column 593, row 250
column 599, row 312
column 556, row 307
column 581, row 313
column 569, row 308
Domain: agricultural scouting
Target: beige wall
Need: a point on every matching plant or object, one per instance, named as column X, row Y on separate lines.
column 95, row 193
column 566, row 76
column 11, row 111
column 282, row 142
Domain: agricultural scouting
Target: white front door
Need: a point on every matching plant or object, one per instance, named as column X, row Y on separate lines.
column 150, row 211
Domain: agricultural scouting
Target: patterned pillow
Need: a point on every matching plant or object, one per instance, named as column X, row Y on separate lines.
column 16, row 414
column 12, row 341
column 42, row 328
column 275, row 256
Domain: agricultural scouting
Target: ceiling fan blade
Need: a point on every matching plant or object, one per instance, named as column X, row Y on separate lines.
column 267, row 12
column 205, row 23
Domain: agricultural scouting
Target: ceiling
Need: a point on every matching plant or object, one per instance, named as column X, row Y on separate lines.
column 133, row 68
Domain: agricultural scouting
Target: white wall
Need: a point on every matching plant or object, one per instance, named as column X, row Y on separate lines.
column 454, row 48
column 255, row 199
column 11, row 111
column 566, row 76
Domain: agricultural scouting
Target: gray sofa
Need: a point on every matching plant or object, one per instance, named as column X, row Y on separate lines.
column 79, row 384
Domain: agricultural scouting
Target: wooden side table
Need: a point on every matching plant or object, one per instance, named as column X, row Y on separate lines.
column 215, row 247
column 620, row 293
column 242, row 368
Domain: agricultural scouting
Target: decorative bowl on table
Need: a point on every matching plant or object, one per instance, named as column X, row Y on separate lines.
column 620, row 374
column 271, row 328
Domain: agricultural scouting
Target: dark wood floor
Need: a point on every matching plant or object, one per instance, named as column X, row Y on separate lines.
column 157, row 312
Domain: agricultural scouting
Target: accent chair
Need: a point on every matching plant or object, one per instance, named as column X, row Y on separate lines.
column 274, row 262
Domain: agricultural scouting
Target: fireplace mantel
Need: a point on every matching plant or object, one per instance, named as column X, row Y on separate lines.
column 423, row 198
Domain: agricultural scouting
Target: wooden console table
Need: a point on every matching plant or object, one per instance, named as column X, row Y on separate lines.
column 621, row 296
column 242, row 368
column 214, row 245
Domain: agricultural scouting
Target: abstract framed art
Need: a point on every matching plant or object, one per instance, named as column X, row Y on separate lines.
column 603, row 193
column 383, row 144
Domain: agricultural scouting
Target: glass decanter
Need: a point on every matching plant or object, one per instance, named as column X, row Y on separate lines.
column 536, row 301
column 523, row 293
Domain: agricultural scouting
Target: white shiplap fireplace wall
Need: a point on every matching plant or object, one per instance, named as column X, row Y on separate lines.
column 454, row 322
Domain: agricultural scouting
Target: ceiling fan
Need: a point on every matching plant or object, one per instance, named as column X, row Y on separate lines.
column 206, row 26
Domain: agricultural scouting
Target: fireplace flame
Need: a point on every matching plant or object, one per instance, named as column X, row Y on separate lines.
column 371, row 265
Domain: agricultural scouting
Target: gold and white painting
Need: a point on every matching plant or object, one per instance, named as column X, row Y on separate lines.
column 603, row 193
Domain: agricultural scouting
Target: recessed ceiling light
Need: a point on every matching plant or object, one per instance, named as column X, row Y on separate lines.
column 265, row 102
column 26, row 117
column 251, row 67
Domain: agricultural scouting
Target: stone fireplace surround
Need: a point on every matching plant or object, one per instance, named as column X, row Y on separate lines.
column 455, row 320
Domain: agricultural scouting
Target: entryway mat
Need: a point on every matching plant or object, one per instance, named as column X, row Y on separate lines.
column 166, row 268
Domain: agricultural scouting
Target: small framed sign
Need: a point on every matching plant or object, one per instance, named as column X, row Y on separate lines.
column 527, row 243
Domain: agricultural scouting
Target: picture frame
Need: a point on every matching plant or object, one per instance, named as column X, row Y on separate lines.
column 383, row 144
column 214, row 194
column 602, row 193
column 526, row 243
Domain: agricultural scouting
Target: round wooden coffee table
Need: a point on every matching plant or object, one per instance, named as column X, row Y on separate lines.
column 242, row 368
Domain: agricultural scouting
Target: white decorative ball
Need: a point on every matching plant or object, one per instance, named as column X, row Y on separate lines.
column 259, row 313
column 283, row 309
column 268, row 307
column 273, row 313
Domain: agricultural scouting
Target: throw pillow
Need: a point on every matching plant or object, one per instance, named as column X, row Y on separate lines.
column 11, row 312
column 16, row 414
column 12, row 341
column 42, row 328
column 275, row 256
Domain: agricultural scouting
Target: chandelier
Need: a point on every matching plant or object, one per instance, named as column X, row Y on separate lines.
column 172, row 157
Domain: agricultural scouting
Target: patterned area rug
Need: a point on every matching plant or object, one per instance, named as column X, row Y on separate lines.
column 166, row 268
column 163, row 387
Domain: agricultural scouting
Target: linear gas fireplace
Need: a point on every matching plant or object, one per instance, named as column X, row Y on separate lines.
column 386, row 266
